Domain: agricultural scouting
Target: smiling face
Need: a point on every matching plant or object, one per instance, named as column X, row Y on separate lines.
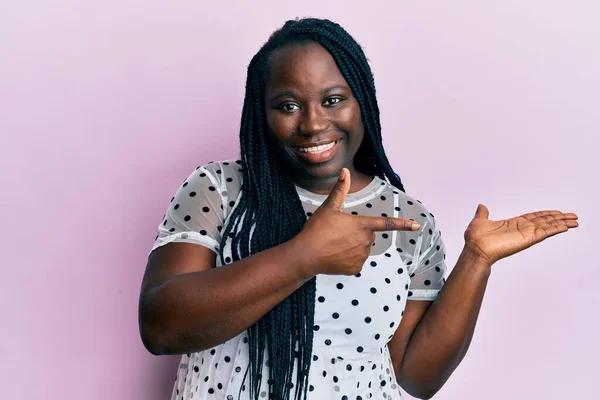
column 313, row 119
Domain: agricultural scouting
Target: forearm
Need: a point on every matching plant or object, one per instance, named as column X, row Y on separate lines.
column 195, row 311
column 442, row 337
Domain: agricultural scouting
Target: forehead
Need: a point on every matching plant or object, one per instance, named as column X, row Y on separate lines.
column 303, row 66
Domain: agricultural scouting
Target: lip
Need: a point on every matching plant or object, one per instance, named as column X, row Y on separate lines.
column 317, row 158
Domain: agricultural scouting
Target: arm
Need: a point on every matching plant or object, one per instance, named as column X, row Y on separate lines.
column 186, row 305
column 442, row 337
column 428, row 347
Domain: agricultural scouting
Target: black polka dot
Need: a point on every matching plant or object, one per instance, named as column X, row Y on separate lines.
column 316, row 327
column 348, row 331
column 203, row 232
column 427, row 282
column 373, row 290
column 321, row 299
column 211, row 390
column 382, row 198
column 311, row 388
column 410, row 202
column 192, row 194
column 437, row 269
column 412, row 241
column 187, row 218
column 165, row 223
column 196, row 369
column 229, row 179
column 387, row 280
column 357, row 275
column 354, row 213
column 400, row 270
column 369, row 205
column 388, row 255
column 219, row 386
column 385, row 235
column 377, row 336
column 368, row 320
column 410, row 293
column 354, row 302
column 397, row 208
column 176, row 206
column 386, row 308
column 384, row 215
column 392, row 324
column 335, row 379
column 335, row 315
column 398, row 297
column 339, row 286
column 327, row 342
column 185, row 184
column 373, row 264
column 238, row 369
column 172, row 230
column 231, row 203
column 359, row 349
column 205, row 209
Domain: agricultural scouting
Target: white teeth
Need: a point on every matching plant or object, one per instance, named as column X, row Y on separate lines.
column 317, row 149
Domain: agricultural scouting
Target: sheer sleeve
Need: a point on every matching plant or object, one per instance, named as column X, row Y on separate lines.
column 195, row 213
column 427, row 278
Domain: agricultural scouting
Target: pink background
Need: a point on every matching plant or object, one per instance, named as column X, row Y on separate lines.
column 106, row 106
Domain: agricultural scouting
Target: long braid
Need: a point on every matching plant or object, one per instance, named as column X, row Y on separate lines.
column 272, row 212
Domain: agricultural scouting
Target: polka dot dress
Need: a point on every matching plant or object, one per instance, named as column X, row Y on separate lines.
column 355, row 316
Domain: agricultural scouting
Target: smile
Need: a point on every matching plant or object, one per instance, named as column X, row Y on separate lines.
column 318, row 154
column 317, row 149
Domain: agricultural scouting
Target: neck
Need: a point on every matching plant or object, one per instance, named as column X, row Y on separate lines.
column 324, row 185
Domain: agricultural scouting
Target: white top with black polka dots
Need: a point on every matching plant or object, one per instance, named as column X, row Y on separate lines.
column 355, row 316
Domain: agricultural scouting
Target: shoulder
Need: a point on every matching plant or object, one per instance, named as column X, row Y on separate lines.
column 411, row 207
column 224, row 176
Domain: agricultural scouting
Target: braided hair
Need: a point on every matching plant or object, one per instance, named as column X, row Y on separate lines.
column 270, row 205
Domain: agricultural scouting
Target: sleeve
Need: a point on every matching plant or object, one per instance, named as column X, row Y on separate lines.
column 195, row 213
column 427, row 279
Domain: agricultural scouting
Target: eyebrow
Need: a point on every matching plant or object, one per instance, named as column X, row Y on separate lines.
column 293, row 93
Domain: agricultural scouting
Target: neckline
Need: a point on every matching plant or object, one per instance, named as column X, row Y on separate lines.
column 366, row 192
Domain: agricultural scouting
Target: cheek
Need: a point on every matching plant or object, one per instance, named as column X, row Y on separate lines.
column 280, row 127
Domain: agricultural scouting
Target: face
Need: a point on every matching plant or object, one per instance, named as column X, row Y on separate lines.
column 313, row 119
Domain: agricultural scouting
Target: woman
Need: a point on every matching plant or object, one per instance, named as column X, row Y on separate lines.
column 304, row 270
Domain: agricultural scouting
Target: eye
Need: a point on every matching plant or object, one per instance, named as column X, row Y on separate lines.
column 289, row 107
column 332, row 101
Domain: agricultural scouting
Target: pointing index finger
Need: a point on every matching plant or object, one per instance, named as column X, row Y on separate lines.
column 380, row 224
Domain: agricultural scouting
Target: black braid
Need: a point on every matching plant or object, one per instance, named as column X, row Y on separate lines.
column 269, row 202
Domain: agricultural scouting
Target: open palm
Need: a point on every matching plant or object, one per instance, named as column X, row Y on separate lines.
column 494, row 240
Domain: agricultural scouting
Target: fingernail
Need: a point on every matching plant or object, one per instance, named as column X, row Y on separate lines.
column 415, row 226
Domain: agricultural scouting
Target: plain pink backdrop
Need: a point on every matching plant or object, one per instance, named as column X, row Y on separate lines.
column 106, row 106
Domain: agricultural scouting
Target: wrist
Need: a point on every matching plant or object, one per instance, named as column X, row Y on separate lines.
column 300, row 257
column 472, row 255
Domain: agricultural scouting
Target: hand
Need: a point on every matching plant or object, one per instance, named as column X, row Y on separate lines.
column 494, row 240
column 337, row 243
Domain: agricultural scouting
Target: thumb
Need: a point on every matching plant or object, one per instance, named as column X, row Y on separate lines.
column 482, row 212
column 338, row 194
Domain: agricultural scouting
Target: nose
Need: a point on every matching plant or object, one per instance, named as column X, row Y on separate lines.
column 314, row 120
